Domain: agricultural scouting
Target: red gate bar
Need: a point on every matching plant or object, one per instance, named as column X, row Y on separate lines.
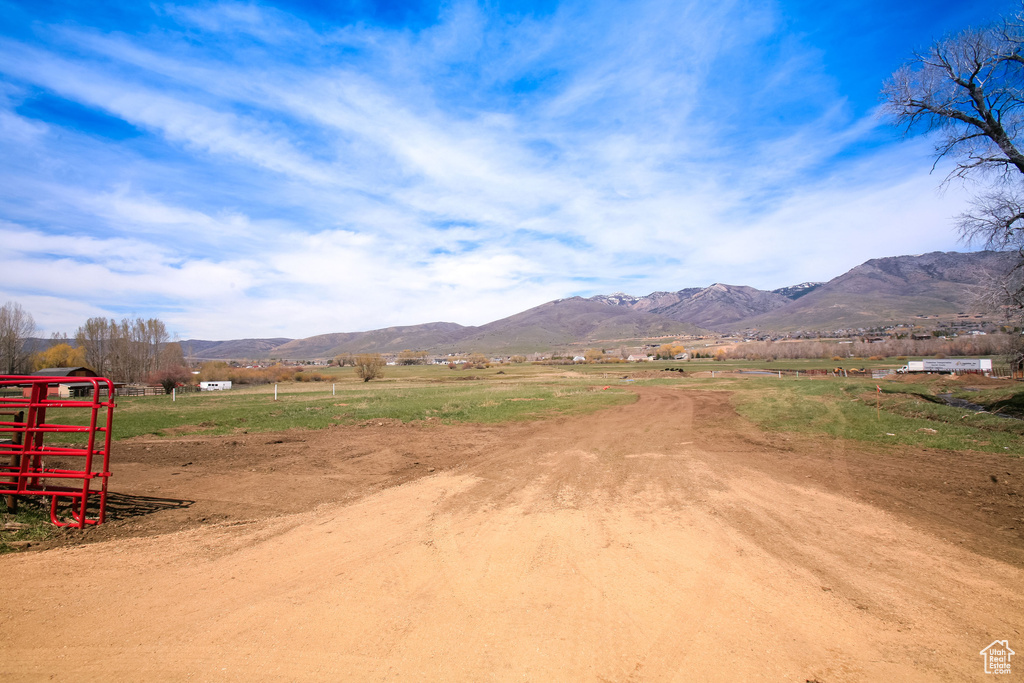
column 24, row 401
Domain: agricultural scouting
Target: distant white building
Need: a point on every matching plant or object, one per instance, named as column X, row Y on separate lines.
column 214, row 386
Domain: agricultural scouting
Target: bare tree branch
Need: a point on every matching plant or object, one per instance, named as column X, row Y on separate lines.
column 969, row 88
column 16, row 326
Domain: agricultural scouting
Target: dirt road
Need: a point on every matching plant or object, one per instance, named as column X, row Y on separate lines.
column 663, row 541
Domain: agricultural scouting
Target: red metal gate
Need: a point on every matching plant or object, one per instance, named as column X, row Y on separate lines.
column 67, row 459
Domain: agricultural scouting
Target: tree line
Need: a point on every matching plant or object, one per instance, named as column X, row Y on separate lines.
column 129, row 350
column 982, row 345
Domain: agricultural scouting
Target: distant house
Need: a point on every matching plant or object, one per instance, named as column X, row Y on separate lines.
column 579, row 359
column 633, row 358
column 681, row 356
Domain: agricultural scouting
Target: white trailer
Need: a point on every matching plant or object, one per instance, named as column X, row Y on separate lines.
column 949, row 365
column 957, row 365
column 214, row 386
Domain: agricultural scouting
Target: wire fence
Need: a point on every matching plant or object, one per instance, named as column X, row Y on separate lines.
column 145, row 390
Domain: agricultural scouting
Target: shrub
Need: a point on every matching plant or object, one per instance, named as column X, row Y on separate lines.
column 370, row 366
column 171, row 377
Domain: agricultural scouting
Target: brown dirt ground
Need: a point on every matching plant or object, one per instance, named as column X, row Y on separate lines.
column 666, row 540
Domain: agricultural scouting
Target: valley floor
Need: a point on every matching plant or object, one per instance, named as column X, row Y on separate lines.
column 665, row 540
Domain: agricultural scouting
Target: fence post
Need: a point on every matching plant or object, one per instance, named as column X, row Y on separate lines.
column 275, row 392
column 174, row 394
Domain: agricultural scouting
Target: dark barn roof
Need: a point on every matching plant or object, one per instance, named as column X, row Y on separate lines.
column 65, row 372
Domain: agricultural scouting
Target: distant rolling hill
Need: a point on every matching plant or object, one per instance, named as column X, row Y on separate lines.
column 715, row 307
column 386, row 340
column 894, row 289
column 567, row 321
column 720, row 306
column 235, row 348
column 542, row 328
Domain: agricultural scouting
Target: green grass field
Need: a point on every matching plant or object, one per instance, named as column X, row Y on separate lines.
column 908, row 415
column 909, row 411
column 407, row 394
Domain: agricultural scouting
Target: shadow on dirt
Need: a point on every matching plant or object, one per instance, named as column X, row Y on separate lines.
column 125, row 506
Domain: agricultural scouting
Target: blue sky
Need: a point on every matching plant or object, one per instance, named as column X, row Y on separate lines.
column 295, row 168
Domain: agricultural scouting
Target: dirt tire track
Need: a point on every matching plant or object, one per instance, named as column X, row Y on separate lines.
column 666, row 540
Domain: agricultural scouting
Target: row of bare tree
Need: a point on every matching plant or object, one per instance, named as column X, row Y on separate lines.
column 129, row 350
column 982, row 345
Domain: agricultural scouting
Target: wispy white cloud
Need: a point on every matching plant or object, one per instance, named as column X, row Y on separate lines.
column 285, row 178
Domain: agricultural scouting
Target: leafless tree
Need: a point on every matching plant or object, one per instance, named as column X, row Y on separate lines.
column 969, row 89
column 94, row 337
column 16, row 326
column 995, row 221
column 128, row 350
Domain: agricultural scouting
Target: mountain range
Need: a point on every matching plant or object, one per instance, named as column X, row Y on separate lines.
column 878, row 292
